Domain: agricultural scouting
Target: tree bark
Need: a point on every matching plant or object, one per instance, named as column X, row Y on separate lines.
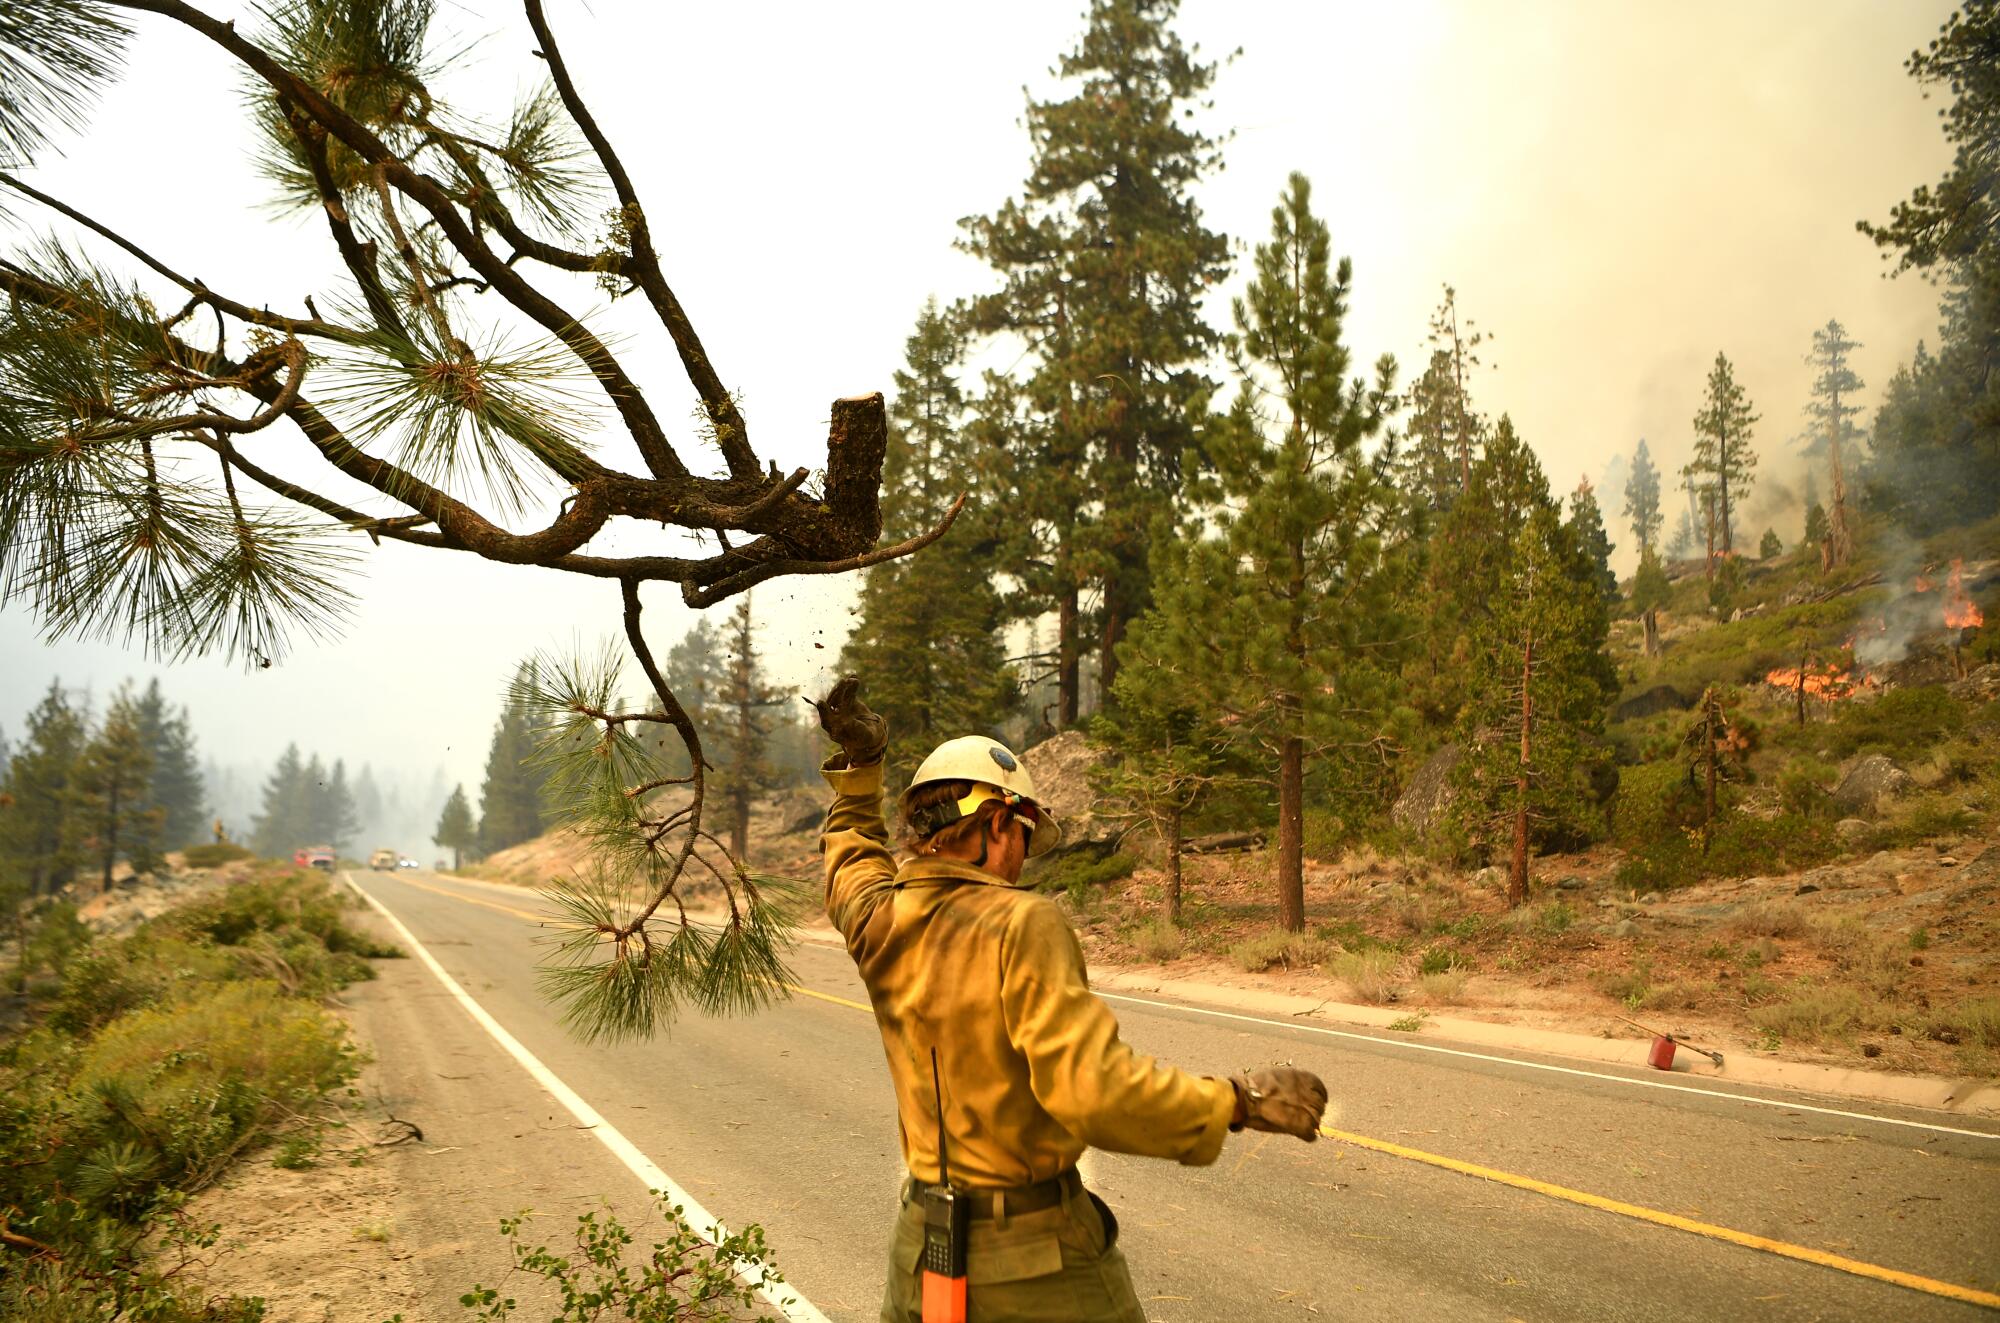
column 1291, row 831
column 110, row 831
column 1517, row 871
column 1174, row 866
column 1107, row 646
column 1068, row 661
column 1651, row 621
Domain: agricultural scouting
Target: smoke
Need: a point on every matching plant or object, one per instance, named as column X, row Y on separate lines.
column 1886, row 640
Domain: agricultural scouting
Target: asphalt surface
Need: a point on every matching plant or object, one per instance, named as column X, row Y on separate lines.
column 787, row 1119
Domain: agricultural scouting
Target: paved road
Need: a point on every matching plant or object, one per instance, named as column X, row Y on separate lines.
column 787, row 1119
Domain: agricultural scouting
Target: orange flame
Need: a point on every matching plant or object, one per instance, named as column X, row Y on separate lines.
column 1960, row 611
column 1828, row 683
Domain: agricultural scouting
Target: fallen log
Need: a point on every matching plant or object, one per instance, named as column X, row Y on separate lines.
column 1222, row 842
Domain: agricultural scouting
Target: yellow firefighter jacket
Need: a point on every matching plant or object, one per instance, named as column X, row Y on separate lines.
column 991, row 975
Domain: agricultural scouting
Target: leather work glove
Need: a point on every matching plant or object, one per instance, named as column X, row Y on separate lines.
column 1280, row 1099
column 861, row 734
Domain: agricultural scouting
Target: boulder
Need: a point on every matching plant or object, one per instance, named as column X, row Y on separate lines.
column 1061, row 767
column 1425, row 801
column 1491, row 878
column 1872, row 782
column 1660, row 698
column 1850, row 829
column 1981, row 686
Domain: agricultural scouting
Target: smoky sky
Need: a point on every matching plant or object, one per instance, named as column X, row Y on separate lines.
column 1616, row 191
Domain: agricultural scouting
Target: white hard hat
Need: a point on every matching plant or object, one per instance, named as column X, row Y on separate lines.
column 996, row 773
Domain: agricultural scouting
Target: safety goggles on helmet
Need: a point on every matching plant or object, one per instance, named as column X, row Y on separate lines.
column 941, row 815
column 994, row 773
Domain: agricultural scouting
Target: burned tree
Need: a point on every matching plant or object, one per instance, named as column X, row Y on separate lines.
column 443, row 374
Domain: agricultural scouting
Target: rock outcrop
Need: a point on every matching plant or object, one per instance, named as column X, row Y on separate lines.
column 1872, row 782
column 1422, row 806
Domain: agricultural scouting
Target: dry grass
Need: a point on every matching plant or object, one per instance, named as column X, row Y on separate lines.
column 1372, row 974
column 1814, row 1015
column 1279, row 950
column 1771, row 918
column 1444, row 988
column 1158, row 941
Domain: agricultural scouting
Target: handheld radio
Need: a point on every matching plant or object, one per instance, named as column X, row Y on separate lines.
column 946, row 1222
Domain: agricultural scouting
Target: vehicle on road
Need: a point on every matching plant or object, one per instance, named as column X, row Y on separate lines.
column 315, row 856
column 383, row 861
column 407, row 862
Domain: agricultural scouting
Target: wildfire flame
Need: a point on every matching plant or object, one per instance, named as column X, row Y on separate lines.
column 1828, row 683
column 1960, row 611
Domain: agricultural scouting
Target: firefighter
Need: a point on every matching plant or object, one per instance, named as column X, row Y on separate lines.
column 1006, row 1066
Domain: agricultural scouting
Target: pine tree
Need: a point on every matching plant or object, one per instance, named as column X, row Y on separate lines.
column 1723, row 458
column 368, row 805
column 1168, row 753
column 1682, row 544
column 1650, row 591
column 1104, row 262
column 1770, row 548
column 176, row 790
column 1445, row 431
column 740, row 749
column 113, row 784
column 1816, row 526
column 334, row 820
column 510, row 798
column 1587, row 526
column 41, row 828
column 1291, row 601
column 285, row 822
column 1832, row 408
column 1642, row 498
column 1538, row 687
column 926, row 637
column 455, row 829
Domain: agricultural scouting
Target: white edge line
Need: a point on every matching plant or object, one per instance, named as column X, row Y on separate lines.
column 779, row 1296
column 1543, row 1065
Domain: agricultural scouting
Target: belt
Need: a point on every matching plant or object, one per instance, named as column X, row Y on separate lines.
column 990, row 1203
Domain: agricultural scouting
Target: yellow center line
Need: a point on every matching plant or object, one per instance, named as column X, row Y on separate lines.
column 470, row 900
column 1784, row 1249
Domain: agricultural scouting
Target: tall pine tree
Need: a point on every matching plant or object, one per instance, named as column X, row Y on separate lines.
column 1104, row 262
column 456, row 830
column 510, row 798
column 113, row 789
column 739, row 735
column 1723, row 458
column 41, row 829
column 1642, row 499
column 926, row 635
column 177, row 790
column 1587, row 524
column 285, row 821
column 1289, row 602
column 1832, row 410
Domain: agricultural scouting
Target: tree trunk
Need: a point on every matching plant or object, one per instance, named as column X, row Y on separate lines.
column 1651, row 620
column 1839, row 534
column 1722, row 478
column 110, row 832
column 1107, row 646
column 1708, row 565
column 1517, row 871
column 1174, row 866
column 1068, row 668
column 1291, row 831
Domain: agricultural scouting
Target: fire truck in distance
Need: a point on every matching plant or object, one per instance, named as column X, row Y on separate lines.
column 384, row 861
column 315, row 856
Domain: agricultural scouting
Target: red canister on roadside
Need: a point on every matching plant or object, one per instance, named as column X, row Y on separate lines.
column 1662, row 1055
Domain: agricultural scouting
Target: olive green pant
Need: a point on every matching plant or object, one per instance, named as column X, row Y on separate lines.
column 1056, row 1265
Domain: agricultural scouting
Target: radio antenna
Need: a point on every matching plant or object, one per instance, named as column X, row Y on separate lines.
column 944, row 1145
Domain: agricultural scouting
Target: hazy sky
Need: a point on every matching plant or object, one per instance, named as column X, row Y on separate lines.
column 1616, row 191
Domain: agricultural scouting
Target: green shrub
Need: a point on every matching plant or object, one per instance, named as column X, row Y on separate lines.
column 1654, row 801
column 1901, row 723
column 1078, row 872
column 214, row 854
column 1279, row 950
column 1803, row 786
column 1439, row 959
column 1746, row 846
